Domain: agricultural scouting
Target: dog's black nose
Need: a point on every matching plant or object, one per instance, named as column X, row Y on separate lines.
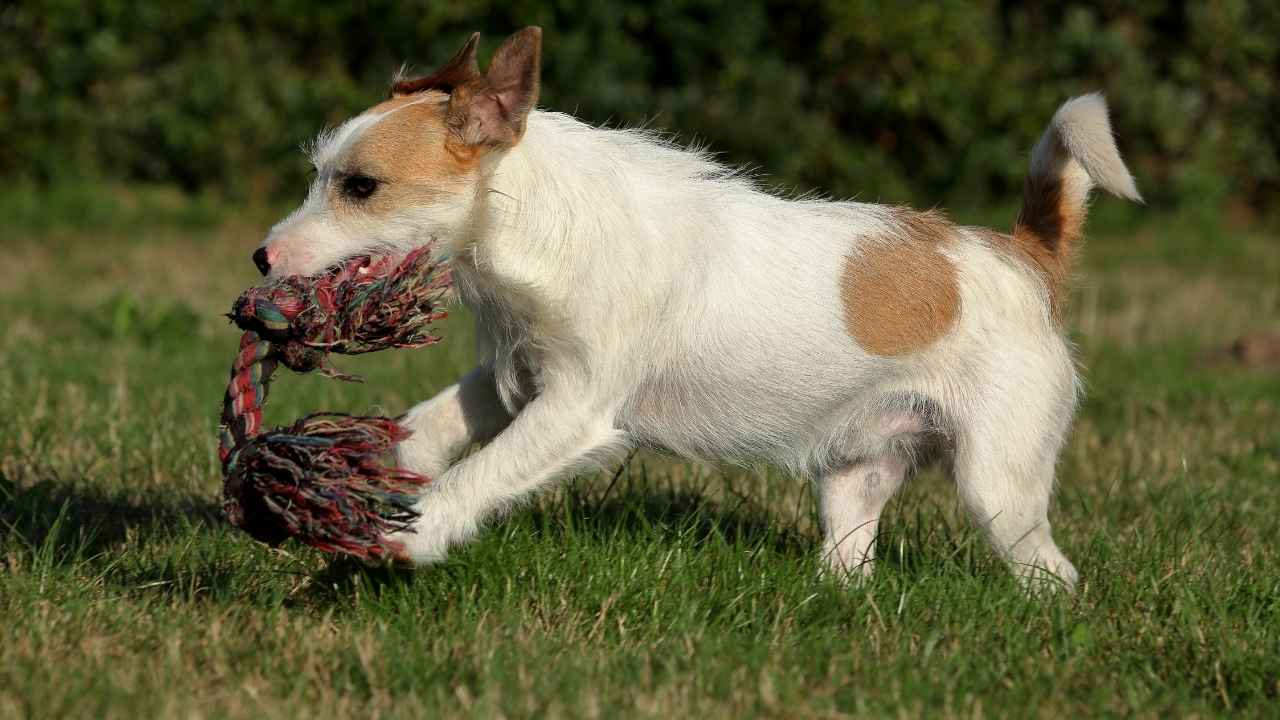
column 260, row 259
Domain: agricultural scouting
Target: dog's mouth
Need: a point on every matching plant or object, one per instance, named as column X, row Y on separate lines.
column 368, row 289
column 363, row 267
column 360, row 268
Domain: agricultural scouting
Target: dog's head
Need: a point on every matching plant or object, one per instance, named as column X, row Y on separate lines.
column 409, row 169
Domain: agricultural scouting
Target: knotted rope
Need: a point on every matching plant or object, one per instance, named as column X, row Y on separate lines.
column 321, row 480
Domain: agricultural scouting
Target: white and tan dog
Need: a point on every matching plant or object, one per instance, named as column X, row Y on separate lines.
column 630, row 293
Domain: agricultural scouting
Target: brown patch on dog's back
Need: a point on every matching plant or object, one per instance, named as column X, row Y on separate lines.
column 899, row 293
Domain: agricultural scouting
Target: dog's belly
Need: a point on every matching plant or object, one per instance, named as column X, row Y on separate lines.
column 797, row 423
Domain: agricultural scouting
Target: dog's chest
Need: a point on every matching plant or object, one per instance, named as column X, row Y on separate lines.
column 505, row 336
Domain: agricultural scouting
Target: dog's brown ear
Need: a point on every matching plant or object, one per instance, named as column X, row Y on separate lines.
column 459, row 71
column 492, row 111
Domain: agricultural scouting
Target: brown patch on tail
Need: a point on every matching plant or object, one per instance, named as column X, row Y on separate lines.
column 900, row 294
column 1047, row 235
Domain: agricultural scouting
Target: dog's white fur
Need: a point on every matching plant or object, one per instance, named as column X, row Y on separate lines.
column 630, row 292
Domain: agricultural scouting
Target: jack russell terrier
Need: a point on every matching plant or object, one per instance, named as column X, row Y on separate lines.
column 632, row 293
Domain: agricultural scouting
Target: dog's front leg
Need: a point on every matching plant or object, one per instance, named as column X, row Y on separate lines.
column 554, row 436
column 467, row 412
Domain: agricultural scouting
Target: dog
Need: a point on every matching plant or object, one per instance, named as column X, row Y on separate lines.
column 631, row 293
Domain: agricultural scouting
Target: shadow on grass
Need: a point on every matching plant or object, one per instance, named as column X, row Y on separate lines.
column 637, row 513
column 138, row 545
column 592, row 521
column 67, row 521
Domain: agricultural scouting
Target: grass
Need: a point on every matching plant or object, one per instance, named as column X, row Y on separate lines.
column 670, row 590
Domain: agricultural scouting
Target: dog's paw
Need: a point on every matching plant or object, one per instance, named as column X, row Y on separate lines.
column 438, row 527
column 408, row 550
column 1043, row 578
column 851, row 573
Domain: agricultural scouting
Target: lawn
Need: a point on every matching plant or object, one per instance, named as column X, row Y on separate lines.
column 667, row 589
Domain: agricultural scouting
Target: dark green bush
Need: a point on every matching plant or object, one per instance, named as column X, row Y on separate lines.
column 870, row 98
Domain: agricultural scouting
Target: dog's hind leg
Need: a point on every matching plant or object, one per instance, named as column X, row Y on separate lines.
column 850, row 500
column 1004, row 470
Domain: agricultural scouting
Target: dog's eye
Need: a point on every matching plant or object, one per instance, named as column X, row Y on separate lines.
column 359, row 186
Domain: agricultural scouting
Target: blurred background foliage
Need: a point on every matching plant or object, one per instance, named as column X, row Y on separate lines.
column 924, row 102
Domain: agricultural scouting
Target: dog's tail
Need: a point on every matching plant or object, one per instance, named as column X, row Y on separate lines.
column 1076, row 153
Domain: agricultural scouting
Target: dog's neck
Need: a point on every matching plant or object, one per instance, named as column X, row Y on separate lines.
column 549, row 186
column 570, row 196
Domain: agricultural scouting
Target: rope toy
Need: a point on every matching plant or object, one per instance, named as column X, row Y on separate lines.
column 322, row 480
